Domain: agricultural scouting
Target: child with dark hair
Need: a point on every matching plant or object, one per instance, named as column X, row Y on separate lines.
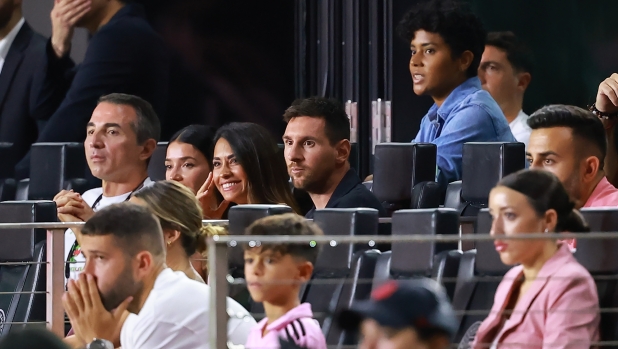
column 446, row 44
column 274, row 274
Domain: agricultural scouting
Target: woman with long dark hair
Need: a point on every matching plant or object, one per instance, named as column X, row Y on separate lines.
column 247, row 169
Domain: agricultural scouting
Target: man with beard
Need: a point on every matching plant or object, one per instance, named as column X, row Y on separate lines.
column 570, row 142
column 317, row 147
column 125, row 271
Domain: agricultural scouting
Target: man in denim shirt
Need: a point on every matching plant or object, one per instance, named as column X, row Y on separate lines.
column 447, row 43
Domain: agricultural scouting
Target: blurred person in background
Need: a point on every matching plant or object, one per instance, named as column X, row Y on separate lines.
column 505, row 72
column 410, row 314
column 124, row 55
column 606, row 108
column 247, row 169
column 31, row 338
column 548, row 300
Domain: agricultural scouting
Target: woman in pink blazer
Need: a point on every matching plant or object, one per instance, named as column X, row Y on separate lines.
column 548, row 300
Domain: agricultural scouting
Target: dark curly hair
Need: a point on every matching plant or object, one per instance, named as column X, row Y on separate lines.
column 460, row 29
column 585, row 126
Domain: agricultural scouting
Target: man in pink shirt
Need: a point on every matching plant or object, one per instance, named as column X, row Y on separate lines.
column 570, row 142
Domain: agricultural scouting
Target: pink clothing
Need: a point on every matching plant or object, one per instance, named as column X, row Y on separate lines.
column 559, row 310
column 603, row 195
column 297, row 325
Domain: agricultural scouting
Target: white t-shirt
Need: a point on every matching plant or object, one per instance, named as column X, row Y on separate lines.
column 78, row 260
column 175, row 316
column 520, row 129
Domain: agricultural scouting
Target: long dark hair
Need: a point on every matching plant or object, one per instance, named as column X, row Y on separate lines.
column 258, row 154
column 544, row 191
column 199, row 136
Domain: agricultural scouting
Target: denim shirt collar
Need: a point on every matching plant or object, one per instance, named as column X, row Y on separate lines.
column 454, row 99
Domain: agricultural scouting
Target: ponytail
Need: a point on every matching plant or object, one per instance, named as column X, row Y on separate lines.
column 206, row 231
column 573, row 222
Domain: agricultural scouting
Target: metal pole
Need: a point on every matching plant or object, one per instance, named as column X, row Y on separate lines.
column 217, row 280
column 55, row 281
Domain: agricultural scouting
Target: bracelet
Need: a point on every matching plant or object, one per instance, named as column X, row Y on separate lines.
column 600, row 114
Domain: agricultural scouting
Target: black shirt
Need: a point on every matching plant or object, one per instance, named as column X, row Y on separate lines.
column 351, row 193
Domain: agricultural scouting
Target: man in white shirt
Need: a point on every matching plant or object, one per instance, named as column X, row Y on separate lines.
column 120, row 139
column 125, row 271
column 505, row 72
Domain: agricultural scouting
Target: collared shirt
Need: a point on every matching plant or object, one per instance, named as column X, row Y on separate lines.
column 297, row 325
column 351, row 193
column 468, row 114
column 603, row 195
column 7, row 41
column 520, row 129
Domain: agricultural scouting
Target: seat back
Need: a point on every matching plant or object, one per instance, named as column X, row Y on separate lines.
column 53, row 166
column 483, row 165
column 397, row 168
column 426, row 195
column 7, row 182
column 480, row 273
column 332, row 270
column 21, row 190
column 156, row 166
column 18, row 303
column 599, row 257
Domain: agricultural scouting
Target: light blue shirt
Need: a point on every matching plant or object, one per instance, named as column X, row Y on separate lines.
column 468, row 114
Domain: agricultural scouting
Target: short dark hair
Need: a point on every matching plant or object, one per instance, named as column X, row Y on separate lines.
column 584, row 125
column 461, row 29
column 147, row 125
column 331, row 110
column 517, row 52
column 135, row 228
column 199, row 136
column 287, row 224
column 544, row 191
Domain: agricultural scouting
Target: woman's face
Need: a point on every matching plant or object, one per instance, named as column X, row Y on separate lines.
column 512, row 214
column 187, row 165
column 230, row 178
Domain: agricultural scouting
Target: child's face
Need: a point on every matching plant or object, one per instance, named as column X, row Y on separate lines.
column 274, row 278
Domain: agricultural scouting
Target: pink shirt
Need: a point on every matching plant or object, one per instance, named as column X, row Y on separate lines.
column 297, row 325
column 604, row 195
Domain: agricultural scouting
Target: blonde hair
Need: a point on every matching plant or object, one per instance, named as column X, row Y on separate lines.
column 178, row 209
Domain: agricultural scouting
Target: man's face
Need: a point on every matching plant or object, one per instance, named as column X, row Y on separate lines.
column 7, row 7
column 310, row 157
column 554, row 149
column 111, row 143
column 97, row 7
column 434, row 71
column 498, row 77
column 113, row 270
column 374, row 336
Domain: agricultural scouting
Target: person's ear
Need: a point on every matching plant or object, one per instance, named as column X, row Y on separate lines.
column 305, row 271
column 465, row 60
column 591, row 169
column 523, row 80
column 343, row 148
column 170, row 236
column 550, row 220
column 147, row 149
column 144, row 261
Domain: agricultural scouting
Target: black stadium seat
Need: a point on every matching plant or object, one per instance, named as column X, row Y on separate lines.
column 23, row 245
column 480, row 273
column 333, row 268
column 156, row 166
column 398, row 167
column 57, row 166
column 414, row 259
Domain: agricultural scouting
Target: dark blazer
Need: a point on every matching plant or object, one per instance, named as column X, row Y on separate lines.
column 125, row 55
column 20, row 107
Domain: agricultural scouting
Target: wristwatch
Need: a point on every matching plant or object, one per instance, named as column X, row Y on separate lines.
column 98, row 343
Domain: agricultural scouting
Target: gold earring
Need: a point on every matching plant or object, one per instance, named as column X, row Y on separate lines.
column 169, row 243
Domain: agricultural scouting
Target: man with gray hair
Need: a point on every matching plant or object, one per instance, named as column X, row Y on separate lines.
column 121, row 136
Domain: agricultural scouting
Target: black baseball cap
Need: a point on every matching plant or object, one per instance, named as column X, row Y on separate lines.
column 420, row 303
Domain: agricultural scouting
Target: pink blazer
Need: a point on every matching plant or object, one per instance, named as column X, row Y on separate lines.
column 559, row 310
